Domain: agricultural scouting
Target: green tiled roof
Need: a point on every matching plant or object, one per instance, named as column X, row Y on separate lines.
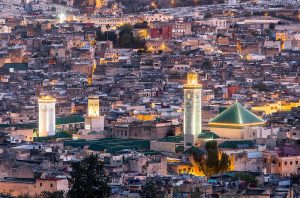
column 69, row 119
column 194, row 150
column 110, row 145
column 175, row 139
column 179, row 148
column 20, row 126
column 58, row 135
column 208, row 135
column 236, row 114
column 234, row 144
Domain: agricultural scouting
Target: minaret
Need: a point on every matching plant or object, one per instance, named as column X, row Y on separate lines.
column 192, row 110
column 47, row 120
column 93, row 120
column 93, row 106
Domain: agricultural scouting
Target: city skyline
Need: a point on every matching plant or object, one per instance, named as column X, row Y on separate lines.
column 149, row 98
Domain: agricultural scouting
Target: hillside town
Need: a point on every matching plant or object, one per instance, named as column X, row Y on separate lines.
column 149, row 98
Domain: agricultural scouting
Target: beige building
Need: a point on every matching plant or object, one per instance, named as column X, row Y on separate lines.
column 32, row 187
column 171, row 144
column 283, row 165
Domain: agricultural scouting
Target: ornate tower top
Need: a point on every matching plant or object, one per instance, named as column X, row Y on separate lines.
column 46, row 99
column 93, row 106
column 192, row 81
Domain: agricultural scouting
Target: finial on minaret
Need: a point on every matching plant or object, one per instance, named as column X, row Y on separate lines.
column 192, row 80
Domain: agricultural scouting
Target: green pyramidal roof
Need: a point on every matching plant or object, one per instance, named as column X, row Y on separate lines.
column 236, row 115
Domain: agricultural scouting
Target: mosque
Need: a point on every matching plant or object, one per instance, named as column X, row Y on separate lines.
column 236, row 122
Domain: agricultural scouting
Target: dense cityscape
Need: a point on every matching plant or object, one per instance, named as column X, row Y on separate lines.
column 149, row 98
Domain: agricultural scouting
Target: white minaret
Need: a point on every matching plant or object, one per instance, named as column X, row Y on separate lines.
column 47, row 120
column 93, row 120
column 192, row 110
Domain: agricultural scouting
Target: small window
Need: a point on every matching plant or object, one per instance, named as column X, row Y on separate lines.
column 41, row 184
column 51, row 185
column 285, row 163
column 291, row 163
column 296, row 162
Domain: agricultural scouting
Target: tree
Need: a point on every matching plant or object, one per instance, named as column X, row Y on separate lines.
column 99, row 35
column 261, row 87
column 125, row 29
column 212, row 158
column 142, row 25
column 272, row 26
column 55, row 194
column 247, row 177
column 212, row 164
column 207, row 64
column 151, row 189
column 211, row 145
column 224, row 163
column 126, row 41
column 88, row 179
column 108, row 35
column 127, row 38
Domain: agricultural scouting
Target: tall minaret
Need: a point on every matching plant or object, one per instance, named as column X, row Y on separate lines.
column 93, row 120
column 192, row 110
column 47, row 120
